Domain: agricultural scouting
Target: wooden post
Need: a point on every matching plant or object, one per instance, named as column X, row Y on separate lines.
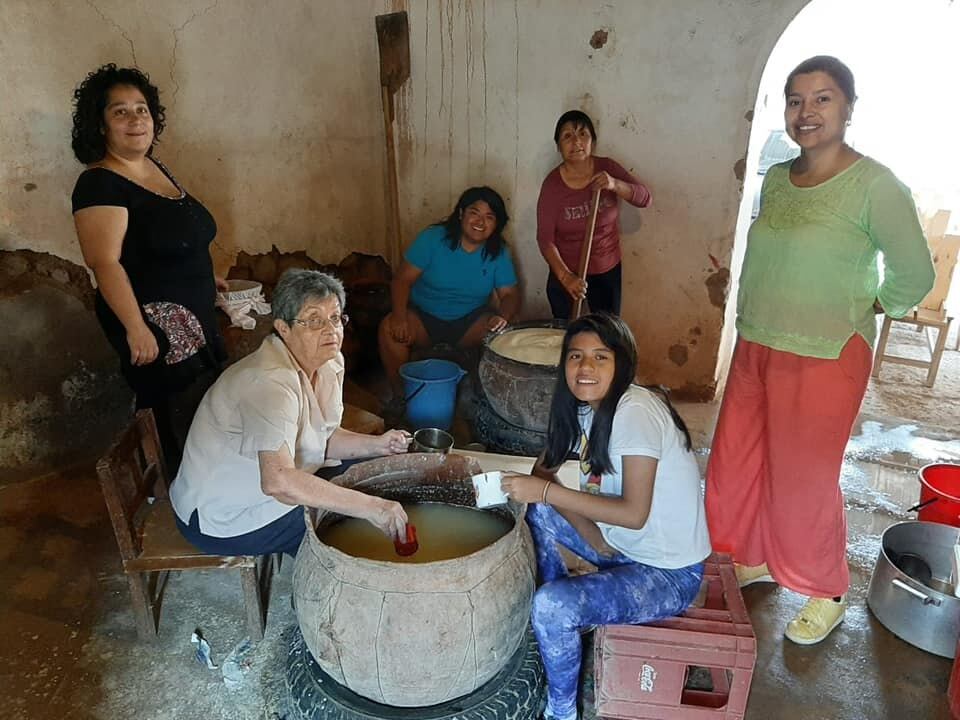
column 585, row 252
column 393, row 190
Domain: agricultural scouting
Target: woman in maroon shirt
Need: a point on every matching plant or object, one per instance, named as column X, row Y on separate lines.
column 563, row 212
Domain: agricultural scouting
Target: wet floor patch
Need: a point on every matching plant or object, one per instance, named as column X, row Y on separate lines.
column 873, row 488
column 904, row 445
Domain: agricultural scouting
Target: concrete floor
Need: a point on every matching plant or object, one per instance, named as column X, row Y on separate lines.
column 70, row 648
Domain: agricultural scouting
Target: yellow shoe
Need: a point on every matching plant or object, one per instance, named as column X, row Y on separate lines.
column 749, row 574
column 816, row 620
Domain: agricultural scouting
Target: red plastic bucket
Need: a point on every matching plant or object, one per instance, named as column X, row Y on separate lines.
column 940, row 493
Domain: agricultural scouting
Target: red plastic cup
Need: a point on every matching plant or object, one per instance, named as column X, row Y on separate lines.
column 408, row 546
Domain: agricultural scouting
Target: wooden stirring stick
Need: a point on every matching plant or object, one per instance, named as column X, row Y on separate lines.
column 585, row 252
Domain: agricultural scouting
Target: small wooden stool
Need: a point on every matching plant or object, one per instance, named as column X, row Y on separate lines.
column 134, row 481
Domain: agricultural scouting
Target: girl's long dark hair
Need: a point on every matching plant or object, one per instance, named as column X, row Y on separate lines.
column 491, row 197
column 563, row 427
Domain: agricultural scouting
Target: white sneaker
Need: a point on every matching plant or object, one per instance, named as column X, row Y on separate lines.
column 816, row 619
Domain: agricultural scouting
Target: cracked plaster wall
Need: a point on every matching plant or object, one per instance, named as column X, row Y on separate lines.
column 668, row 85
column 273, row 116
column 275, row 123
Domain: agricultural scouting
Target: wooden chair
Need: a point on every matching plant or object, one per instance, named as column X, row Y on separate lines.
column 931, row 313
column 134, row 481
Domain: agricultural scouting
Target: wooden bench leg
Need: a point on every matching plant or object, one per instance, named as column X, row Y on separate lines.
column 937, row 354
column 881, row 345
column 142, row 605
column 253, row 602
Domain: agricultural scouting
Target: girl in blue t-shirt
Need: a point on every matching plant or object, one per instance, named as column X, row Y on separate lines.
column 638, row 515
column 442, row 290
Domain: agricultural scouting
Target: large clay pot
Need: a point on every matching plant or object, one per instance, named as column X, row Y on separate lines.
column 519, row 392
column 411, row 635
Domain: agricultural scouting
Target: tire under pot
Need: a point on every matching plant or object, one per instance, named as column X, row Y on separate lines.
column 498, row 435
column 514, row 693
column 924, row 614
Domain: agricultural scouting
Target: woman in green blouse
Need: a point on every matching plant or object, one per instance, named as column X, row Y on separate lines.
column 809, row 291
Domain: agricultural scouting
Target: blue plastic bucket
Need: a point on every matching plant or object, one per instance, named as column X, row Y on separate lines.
column 430, row 391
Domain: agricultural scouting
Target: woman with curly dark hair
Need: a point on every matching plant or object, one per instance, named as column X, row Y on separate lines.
column 147, row 242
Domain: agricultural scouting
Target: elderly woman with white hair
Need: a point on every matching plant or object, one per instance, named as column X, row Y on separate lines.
column 268, row 424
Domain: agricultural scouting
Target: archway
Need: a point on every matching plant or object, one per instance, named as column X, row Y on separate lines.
column 901, row 54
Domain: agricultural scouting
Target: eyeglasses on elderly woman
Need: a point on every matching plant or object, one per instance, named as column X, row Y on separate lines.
column 318, row 323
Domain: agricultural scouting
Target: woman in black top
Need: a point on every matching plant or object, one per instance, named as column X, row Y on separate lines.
column 147, row 241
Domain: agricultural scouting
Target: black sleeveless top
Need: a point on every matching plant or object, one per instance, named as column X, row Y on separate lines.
column 166, row 255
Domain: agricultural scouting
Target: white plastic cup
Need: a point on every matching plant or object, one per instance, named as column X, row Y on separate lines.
column 487, row 489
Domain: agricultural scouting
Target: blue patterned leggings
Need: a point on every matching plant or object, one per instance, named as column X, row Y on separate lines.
column 622, row 591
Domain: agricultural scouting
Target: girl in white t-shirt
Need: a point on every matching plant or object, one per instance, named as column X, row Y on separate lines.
column 638, row 515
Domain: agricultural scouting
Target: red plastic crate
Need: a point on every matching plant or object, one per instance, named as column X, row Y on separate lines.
column 641, row 670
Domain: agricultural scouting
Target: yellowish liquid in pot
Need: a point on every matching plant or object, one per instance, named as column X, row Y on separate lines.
column 443, row 532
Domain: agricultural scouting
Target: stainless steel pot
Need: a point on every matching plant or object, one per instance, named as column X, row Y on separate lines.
column 926, row 615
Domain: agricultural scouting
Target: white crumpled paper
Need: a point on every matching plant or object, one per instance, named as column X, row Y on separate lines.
column 203, row 652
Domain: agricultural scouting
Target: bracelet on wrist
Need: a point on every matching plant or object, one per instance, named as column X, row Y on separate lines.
column 546, row 489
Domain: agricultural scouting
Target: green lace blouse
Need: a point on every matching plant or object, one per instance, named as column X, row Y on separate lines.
column 810, row 275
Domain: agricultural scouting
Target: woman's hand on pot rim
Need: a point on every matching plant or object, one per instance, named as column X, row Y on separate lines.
column 496, row 323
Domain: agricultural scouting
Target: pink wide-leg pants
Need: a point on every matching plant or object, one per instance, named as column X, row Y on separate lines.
column 773, row 492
